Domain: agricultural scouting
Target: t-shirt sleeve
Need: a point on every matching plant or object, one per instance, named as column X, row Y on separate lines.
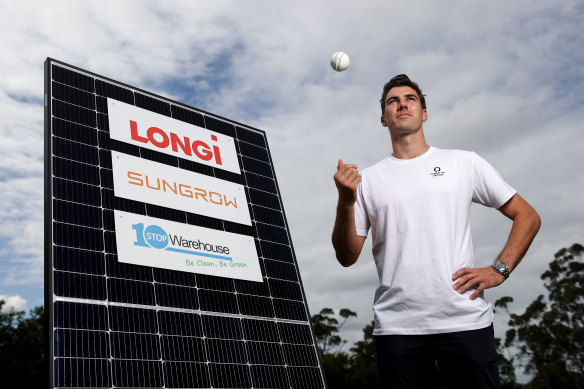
column 361, row 218
column 489, row 187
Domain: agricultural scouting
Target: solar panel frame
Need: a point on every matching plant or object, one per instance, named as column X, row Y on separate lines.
column 76, row 162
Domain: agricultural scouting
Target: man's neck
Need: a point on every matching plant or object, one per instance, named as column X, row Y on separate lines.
column 410, row 146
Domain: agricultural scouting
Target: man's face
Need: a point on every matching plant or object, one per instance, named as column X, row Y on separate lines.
column 403, row 111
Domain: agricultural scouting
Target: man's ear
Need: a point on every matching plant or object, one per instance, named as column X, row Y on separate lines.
column 383, row 122
column 424, row 115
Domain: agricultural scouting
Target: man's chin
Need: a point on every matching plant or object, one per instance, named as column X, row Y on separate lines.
column 405, row 130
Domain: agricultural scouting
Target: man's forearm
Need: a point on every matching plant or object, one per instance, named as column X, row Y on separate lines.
column 526, row 224
column 345, row 239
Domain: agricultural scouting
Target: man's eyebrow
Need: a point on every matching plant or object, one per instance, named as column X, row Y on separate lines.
column 390, row 98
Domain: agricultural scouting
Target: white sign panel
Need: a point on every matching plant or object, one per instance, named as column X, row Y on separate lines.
column 148, row 241
column 155, row 183
column 151, row 130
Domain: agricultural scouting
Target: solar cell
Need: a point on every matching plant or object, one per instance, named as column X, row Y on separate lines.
column 116, row 324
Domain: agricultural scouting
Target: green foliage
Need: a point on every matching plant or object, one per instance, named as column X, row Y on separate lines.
column 22, row 351
column 326, row 328
column 506, row 367
column 363, row 361
column 549, row 335
column 355, row 370
column 337, row 367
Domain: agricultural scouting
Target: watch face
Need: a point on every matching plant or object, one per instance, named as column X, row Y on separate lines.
column 501, row 268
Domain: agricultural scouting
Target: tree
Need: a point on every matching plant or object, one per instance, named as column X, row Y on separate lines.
column 506, row 367
column 357, row 370
column 364, row 361
column 22, row 348
column 343, row 370
column 326, row 328
column 549, row 335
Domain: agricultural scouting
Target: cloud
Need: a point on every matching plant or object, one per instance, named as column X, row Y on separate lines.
column 13, row 303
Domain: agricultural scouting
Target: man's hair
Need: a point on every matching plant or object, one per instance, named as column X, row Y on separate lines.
column 401, row 80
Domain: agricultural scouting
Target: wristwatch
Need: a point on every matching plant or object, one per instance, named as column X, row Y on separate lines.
column 501, row 268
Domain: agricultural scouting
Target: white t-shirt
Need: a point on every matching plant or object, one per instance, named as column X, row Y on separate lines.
column 418, row 211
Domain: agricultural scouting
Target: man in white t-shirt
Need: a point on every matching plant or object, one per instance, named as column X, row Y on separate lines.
column 429, row 306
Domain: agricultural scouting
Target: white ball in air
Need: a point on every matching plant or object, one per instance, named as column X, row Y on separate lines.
column 340, row 61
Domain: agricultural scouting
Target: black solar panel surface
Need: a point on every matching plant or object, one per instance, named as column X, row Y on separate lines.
column 122, row 325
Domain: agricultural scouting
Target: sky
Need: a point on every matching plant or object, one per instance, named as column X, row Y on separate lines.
column 501, row 78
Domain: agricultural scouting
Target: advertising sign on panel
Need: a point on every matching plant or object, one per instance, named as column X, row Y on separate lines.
column 148, row 241
column 155, row 183
column 130, row 124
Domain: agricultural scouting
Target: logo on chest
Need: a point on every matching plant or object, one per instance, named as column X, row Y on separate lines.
column 437, row 172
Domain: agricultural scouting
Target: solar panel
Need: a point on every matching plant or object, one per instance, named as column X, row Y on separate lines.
column 138, row 291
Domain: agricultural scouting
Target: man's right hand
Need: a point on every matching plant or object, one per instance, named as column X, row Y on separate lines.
column 347, row 178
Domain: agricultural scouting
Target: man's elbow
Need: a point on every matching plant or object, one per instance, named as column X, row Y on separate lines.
column 531, row 220
column 347, row 260
column 535, row 221
column 525, row 214
column 347, row 250
column 345, row 254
